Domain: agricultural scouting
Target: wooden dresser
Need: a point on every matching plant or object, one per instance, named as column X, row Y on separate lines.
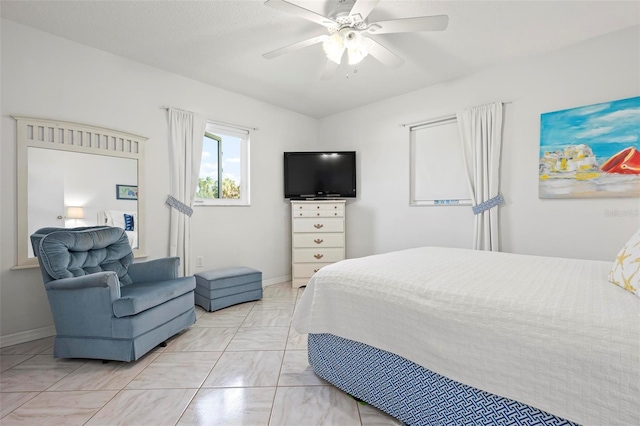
column 317, row 237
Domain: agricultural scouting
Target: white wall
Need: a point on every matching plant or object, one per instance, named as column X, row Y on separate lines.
column 46, row 76
column 380, row 220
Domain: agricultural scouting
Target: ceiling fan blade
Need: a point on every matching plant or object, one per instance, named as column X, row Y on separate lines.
column 294, row 47
column 301, row 12
column 384, row 55
column 409, row 25
column 363, row 8
column 329, row 70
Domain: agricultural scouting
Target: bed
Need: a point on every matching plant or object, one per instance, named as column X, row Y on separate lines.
column 127, row 220
column 442, row 336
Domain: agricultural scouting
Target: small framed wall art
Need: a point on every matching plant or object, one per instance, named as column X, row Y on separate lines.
column 126, row 192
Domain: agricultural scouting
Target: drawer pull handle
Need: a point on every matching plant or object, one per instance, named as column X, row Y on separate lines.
column 317, row 214
column 318, row 225
column 318, row 241
column 317, row 207
column 316, row 270
column 318, row 256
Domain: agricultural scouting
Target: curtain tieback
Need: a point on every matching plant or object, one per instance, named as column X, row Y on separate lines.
column 486, row 205
column 179, row 205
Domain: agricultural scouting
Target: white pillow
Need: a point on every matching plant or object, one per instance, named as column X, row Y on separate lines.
column 625, row 271
column 116, row 218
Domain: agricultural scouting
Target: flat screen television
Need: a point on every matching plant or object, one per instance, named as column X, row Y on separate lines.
column 330, row 174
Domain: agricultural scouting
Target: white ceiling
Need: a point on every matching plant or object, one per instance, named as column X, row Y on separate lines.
column 221, row 42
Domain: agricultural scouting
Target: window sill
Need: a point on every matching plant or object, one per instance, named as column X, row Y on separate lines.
column 221, row 204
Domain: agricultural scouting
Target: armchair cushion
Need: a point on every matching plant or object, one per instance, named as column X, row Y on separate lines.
column 139, row 297
column 74, row 254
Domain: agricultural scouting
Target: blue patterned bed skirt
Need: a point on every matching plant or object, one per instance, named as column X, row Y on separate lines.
column 411, row 393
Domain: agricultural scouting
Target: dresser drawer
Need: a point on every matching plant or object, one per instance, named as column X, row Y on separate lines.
column 325, row 255
column 318, row 240
column 306, row 270
column 317, row 207
column 318, row 225
column 318, row 213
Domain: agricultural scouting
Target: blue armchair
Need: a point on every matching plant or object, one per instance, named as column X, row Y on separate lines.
column 105, row 306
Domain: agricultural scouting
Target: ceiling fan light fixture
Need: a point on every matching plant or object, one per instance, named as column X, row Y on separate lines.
column 357, row 54
column 352, row 39
column 334, row 48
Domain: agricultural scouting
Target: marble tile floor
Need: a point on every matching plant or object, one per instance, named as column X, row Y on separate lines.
column 243, row 365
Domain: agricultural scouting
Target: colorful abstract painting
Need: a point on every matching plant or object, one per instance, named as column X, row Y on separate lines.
column 591, row 151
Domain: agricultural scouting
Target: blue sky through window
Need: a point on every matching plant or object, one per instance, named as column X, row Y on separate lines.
column 230, row 158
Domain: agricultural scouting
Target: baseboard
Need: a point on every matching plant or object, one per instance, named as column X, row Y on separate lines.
column 27, row 336
column 276, row 280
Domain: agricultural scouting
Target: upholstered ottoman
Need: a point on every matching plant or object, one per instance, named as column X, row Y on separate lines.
column 224, row 287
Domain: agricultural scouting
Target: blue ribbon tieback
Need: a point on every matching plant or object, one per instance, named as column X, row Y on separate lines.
column 486, row 205
column 179, row 205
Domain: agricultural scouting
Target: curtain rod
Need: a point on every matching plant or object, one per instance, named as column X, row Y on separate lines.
column 436, row 120
column 222, row 123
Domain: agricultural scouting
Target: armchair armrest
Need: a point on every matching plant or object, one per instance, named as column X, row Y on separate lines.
column 100, row 279
column 83, row 306
column 154, row 270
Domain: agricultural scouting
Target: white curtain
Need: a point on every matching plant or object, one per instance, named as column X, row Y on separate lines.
column 481, row 136
column 186, row 130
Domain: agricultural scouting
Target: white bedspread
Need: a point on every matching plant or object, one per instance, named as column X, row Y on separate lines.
column 549, row 332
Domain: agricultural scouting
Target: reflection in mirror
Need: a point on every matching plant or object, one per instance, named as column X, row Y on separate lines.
column 69, row 189
column 72, row 175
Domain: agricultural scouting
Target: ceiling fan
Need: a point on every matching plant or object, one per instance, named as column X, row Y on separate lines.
column 348, row 28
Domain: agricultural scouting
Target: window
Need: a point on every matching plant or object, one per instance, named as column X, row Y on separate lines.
column 438, row 175
column 224, row 168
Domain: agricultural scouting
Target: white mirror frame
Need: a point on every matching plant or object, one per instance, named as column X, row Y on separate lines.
column 73, row 137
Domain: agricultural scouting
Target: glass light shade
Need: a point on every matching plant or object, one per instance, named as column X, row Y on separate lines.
column 334, row 48
column 75, row 213
column 358, row 53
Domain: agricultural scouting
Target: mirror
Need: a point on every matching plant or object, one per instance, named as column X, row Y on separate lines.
column 70, row 189
column 73, row 175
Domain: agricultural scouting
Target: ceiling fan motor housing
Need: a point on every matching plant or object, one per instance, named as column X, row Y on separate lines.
column 339, row 9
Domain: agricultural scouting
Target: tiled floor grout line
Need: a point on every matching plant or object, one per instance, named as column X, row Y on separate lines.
column 284, row 354
column 65, row 376
column 35, row 396
column 186, row 407
column 140, row 372
column 226, row 349
column 122, row 389
column 103, row 405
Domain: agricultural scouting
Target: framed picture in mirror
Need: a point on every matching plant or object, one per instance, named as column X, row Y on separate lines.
column 126, row 192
